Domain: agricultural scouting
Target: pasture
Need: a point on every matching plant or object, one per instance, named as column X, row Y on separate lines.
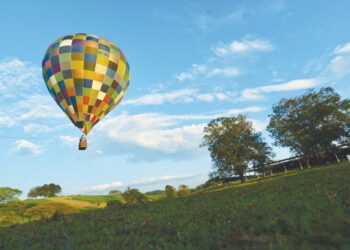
column 307, row 209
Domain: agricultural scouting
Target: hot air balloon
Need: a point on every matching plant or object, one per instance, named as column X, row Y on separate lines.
column 87, row 76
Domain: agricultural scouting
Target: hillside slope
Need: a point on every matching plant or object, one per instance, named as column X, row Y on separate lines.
column 309, row 209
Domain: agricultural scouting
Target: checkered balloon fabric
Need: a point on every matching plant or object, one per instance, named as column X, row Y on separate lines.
column 87, row 76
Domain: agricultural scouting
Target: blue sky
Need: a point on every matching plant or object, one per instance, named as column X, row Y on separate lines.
column 190, row 61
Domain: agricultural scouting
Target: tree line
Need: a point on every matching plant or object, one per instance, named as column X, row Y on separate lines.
column 309, row 125
column 8, row 194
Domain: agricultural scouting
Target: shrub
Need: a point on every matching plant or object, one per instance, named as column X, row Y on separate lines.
column 115, row 192
column 115, row 204
column 133, row 196
column 170, row 191
column 183, row 190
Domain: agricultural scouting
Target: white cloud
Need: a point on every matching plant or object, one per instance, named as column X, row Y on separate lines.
column 37, row 107
column 193, row 72
column 259, row 125
column 157, row 179
column 257, row 93
column 21, row 88
column 340, row 65
column 203, row 70
column 177, row 96
column 6, row 120
column 160, row 132
column 140, row 182
column 26, row 147
column 341, row 49
column 206, row 97
column 69, row 140
column 152, row 131
column 224, row 72
column 244, row 46
column 18, row 75
column 102, row 187
column 37, row 128
column 331, row 66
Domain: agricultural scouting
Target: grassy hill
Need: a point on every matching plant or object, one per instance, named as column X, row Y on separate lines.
column 302, row 210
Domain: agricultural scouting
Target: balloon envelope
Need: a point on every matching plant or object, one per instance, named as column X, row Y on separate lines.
column 87, row 76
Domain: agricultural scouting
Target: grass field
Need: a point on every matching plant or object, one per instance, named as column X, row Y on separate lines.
column 307, row 209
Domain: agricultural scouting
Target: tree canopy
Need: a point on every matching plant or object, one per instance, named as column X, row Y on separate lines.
column 133, row 196
column 183, row 190
column 170, row 191
column 9, row 194
column 234, row 146
column 311, row 123
column 115, row 192
column 46, row 190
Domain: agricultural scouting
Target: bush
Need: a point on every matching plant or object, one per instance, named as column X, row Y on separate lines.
column 115, row 204
column 9, row 194
column 115, row 192
column 170, row 191
column 133, row 196
column 48, row 211
column 183, row 190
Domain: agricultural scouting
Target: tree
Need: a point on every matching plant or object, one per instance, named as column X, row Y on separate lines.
column 114, row 192
column 9, row 194
column 170, row 191
column 183, row 190
column 311, row 123
column 155, row 192
column 234, row 146
column 133, row 196
column 46, row 190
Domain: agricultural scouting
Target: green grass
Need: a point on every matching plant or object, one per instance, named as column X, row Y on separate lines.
column 307, row 209
column 96, row 198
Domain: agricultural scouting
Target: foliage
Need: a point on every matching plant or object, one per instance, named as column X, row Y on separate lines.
column 311, row 123
column 115, row 192
column 275, row 213
column 96, row 198
column 46, row 190
column 155, row 192
column 183, row 190
column 234, row 146
column 47, row 210
column 116, row 204
column 30, row 210
column 9, row 194
column 133, row 196
column 170, row 191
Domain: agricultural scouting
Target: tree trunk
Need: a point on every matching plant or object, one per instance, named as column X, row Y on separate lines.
column 271, row 172
column 308, row 163
column 336, row 157
column 285, row 169
column 241, row 176
column 301, row 166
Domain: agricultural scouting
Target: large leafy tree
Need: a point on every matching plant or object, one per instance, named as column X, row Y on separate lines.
column 311, row 123
column 9, row 194
column 170, row 191
column 46, row 190
column 234, row 146
column 133, row 196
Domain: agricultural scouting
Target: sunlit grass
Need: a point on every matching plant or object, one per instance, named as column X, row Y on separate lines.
column 300, row 210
